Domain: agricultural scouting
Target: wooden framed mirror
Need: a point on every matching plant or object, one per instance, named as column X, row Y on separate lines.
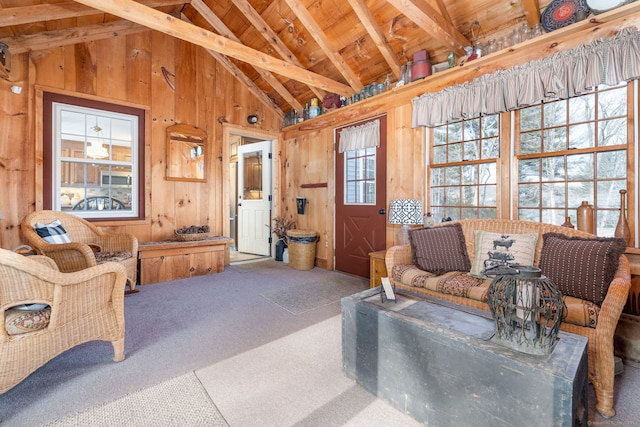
column 186, row 153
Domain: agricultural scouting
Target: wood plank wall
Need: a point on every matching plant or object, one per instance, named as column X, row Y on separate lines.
column 127, row 70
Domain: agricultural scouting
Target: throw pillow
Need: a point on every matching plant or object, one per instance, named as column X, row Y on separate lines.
column 495, row 249
column 439, row 249
column 18, row 321
column 581, row 267
column 53, row 232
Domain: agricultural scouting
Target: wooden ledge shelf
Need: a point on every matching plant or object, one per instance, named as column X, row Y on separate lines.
column 169, row 259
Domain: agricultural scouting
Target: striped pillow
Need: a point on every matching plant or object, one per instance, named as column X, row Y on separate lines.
column 439, row 249
column 581, row 267
column 53, row 232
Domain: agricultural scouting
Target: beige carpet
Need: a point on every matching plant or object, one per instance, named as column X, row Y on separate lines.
column 180, row 401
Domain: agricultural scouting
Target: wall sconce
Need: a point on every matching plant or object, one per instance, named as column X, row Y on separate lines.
column 301, row 203
column 5, row 57
column 252, row 119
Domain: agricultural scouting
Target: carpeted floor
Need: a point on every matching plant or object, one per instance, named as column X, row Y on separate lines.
column 309, row 296
column 180, row 401
column 261, row 364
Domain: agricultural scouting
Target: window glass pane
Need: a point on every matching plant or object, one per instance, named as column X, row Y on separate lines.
column 490, row 126
column 579, row 192
column 455, row 132
column 612, row 132
column 530, row 118
column 455, row 153
column 582, row 136
column 553, row 195
column 471, row 129
column 582, row 108
column 529, row 195
column 609, row 194
column 487, row 195
column 440, row 154
column 470, row 174
column 580, row 166
column 491, row 148
column 471, row 150
column 555, row 113
column 612, row 103
column 452, row 175
column 529, row 170
column 555, row 139
column 612, row 164
column 360, row 176
column 439, row 135
column 553, row 168
column 437, row 176
column 487, row 173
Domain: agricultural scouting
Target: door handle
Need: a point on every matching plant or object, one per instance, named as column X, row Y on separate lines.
column 382, row 211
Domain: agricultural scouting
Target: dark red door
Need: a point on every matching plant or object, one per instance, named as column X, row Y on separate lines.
column 361, row 200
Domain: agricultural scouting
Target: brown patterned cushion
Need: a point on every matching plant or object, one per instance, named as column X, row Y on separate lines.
column 102, row 257
column 439, row 249
column 21, row 321
column 581, row 267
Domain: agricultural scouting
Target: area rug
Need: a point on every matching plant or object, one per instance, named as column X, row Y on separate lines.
column 308, row 296
column 180, row 401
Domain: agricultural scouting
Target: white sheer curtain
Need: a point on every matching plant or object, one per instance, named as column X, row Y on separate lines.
column 359, row 137
column 562, row 75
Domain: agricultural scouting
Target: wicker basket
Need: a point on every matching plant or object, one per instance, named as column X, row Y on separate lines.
column 302, row 249
column 190, row 237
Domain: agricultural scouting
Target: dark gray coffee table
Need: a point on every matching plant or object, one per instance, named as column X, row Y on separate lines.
column 438, row 364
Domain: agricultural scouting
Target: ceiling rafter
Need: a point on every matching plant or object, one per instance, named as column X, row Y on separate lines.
column 46, row 12
column 370, row 24
column 237, row 73
column 443, row 11
column 271, row 37
column 151, row 18
column 223, row 30
column 318, row 35
column 70, row 36
column 531, row 11
column 427, row 18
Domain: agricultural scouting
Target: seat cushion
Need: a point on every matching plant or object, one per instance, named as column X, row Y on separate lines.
column 117, row 256
column 53, row 232
column 18, row 321
column 439, row 249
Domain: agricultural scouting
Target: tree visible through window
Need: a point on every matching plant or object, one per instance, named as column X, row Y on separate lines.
column 463, row 168
column 571, row 151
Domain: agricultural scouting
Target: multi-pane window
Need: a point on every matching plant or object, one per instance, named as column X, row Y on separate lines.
column 360, row 176
column 94, row 157
column 571, row 151
column 463, row 168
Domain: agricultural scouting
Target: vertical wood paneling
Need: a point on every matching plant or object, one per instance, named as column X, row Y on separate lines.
column 110, row 68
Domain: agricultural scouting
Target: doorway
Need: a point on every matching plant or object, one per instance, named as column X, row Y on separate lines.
column 361, row 198
column 250, row 195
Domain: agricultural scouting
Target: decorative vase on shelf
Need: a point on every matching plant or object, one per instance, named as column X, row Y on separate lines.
column 567, row 223
column 428, row 220
column 585, row 217
column 622, row 229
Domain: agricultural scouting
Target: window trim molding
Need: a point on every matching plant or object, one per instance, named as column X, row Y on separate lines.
column 47, row 98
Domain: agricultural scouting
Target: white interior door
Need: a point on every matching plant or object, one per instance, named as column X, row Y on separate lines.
column 254, row 197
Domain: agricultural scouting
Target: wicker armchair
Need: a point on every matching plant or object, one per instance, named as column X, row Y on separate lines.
column 85, row 239
column 86, row 305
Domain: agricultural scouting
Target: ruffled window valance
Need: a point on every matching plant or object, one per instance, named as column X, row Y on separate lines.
column 561, row 75
column 360, row 137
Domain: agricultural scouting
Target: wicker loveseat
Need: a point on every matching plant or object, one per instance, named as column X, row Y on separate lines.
column 89, row 245
column 74, row 308
column 597, row 322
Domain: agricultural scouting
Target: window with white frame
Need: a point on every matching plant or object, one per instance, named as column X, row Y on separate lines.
column 95, row 160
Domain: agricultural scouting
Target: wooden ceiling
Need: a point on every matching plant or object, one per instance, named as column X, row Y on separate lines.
column 286, row 51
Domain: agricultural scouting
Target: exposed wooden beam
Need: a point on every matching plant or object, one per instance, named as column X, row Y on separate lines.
column 370, row 24
column 47, row 12
column 443, row 11
column 167, row 24
column 531, row 11
column 238, row 74
column 427, row 18
column 223, row 30
column 271, row 37
column 318, row 35
column 69, row 36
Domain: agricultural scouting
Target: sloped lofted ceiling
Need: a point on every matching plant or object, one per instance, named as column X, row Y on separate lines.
column 286, row 51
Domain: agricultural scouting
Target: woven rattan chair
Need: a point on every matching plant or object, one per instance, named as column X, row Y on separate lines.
column 85, row 305
column 85, row 238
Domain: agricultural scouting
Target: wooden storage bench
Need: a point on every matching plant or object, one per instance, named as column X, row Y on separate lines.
column 170, row 259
